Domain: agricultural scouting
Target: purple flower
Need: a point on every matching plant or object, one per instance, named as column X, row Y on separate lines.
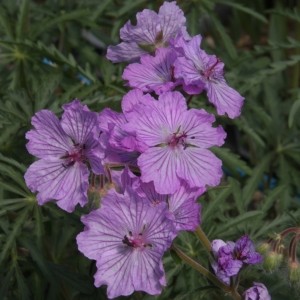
column 152, row 31
column 230, row 257
column 244, row 250
column 177, row 140
column 184, row 210
column 154, row 73
column 64, row 148
column 118, row 146
column 198, row 68
column 257, row 292
column 225, row 265
column 127, row 237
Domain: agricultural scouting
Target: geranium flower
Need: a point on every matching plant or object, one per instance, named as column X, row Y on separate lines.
column 127, row 237
column 65, row 150
column 257, row 292
column 177, row 140
column 154, row 73
column 151, row 32
column 183, row 208
column 230, row 257
column 198, row 68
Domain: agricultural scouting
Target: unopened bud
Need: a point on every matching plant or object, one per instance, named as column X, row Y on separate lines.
column 294, row 272
column 264, row 248
column 272, row 260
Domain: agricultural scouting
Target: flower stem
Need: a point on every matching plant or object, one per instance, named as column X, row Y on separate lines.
column 195, row 265
column 203, row 238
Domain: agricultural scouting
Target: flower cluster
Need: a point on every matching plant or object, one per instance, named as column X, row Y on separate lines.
column 161, row 145
column 230, row 257
column 165, row 57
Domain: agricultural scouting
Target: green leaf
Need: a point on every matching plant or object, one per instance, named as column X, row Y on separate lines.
column 269, row 200
column 38, row 258
column 232, row 161
column 293, row 111
column 231, row 224
column 22, row 19
column 13, row 235
column 253, row 182
column 23, row 290
column 214, row 202
column 100, row 9
column 224, row 37
column 244, row 9
column 76, row 15
column 6, row 283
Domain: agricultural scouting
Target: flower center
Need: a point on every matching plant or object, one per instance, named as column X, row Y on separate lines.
column 137, row 241
column 74, row 155
column 177, row 139
column 209, row 72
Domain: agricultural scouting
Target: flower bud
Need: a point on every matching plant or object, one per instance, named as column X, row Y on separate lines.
column 294, row 272
column 272, row 260
column 264, row 248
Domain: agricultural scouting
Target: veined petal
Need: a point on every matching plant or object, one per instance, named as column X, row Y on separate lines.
column 125, row 52
column 185, row 209
column 172, row 106
column 226, row 99
column 125, row 272
column 185, row 69
column 79, row 123
column 55, row 181
column 47, row 139
column 159, row 164
column 145, row 31
column 134, row 100
column 199, row 167
column 199, row 131
column 127, row 237
column 171, row 19
column 150, row 128
column 154, row 73
column 194, row 53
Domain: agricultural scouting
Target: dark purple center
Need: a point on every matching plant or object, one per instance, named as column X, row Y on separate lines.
column 177, row 139
column 136, row 241
column 210, row 71
column 74, row 155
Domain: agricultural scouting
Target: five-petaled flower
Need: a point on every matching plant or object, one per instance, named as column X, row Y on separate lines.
column 177, row 140
column 66, row 149
column 127, row 237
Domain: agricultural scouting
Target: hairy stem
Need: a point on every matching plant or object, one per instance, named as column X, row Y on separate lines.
column 195, row 265
column 203, row 238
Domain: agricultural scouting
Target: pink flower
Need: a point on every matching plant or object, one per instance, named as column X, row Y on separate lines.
column 198, row 68
column 177, row 140
column 127, row 237
column 63, row 148
column 151, row 32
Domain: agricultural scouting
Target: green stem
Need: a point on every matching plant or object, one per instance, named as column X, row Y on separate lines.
column 203, row 238
column 195, row 265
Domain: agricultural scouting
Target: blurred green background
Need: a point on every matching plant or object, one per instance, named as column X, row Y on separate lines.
column 52, row 51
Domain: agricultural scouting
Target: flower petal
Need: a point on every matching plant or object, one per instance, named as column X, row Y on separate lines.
column 172, row 20
column 197, row 124
column 79, row 123
column 183, row 205
column 52, row 180
column 159, row 164
column 145, row 31
column 47, row 139
column 199, row 167
column 125, row 52
column 226, row 99
column 154, row 73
